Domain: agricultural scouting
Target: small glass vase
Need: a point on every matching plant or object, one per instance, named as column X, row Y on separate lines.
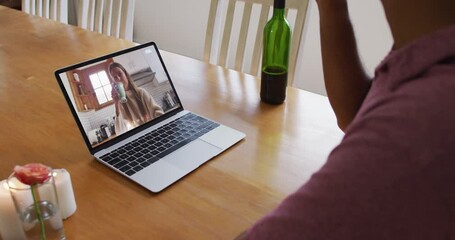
column 38, row 209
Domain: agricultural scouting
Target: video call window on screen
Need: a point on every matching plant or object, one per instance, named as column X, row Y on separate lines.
column 120, row 93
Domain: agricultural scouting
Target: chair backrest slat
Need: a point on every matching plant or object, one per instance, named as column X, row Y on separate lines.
column 127, row 13
column 109, row 17
column 51, row 9
column 239, row 55
column 115, row 18
column 210, row 30
column 39, row 8
column 47, row 10
column 226, row 34
column 98, row 16
column 257, row 49
column 297, row 34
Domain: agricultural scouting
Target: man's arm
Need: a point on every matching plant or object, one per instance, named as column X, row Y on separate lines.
column 345, row 79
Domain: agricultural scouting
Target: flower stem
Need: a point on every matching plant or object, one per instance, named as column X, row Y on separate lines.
column 38, row 211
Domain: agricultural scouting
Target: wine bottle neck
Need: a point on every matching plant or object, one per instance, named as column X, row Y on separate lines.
column 279, row 4
column 278, row 12
column 278, row 8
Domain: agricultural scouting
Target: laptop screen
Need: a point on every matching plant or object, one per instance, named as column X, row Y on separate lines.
column 116, row 94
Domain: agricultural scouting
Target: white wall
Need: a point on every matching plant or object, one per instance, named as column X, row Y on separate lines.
column 179, row 26
column 175, row 25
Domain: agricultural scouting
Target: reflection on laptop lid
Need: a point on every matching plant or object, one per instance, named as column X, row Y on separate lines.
column 133, row 121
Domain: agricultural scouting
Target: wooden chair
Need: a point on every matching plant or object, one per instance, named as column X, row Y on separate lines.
column 109, row 17
column 218, row 52
column 52, row 9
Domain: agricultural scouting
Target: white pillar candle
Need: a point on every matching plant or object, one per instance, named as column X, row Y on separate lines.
column 10, row 224
column 65, row 194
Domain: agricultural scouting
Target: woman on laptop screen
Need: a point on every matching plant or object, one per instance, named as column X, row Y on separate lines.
column 133, row 105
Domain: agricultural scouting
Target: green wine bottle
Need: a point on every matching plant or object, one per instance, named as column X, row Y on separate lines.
column 275, row 56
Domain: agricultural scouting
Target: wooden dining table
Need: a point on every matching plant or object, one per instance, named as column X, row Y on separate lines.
column 284, row 144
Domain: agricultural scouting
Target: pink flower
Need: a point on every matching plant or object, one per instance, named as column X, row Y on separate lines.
column 32, row 173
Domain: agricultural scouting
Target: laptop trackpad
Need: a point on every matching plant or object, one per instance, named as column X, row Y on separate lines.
column 192, row 155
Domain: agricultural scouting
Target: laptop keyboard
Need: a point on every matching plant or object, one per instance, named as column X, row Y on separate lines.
column 140, row 153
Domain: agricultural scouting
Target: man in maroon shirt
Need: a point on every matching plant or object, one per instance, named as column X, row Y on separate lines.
column 393, row 175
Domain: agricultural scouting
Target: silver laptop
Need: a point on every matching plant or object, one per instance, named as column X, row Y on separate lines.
column 132, row 119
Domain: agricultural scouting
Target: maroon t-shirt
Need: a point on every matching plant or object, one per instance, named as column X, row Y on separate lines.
column 393, row 174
